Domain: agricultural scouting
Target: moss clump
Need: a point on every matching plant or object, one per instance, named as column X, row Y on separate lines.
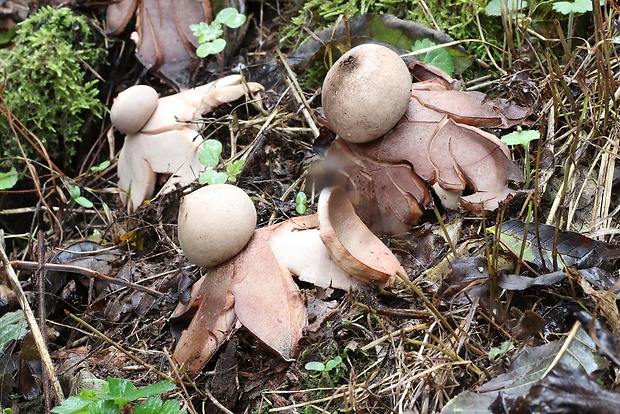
column 444, row 15
column 319, row 14
column 47, row 87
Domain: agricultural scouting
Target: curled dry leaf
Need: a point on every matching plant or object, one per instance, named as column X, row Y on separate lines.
column 168, row 143
column 350, row 241
column 165, row 44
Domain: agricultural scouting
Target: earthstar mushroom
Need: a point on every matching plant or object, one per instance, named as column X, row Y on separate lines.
column 366, row 93
column 161, row 137
column 215, row 223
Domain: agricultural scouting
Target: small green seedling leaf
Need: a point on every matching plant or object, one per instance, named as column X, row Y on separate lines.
column 8, row 179
column 84, row 202
column 210, row 35
column 13, row 326
column 76, row 195
column 210, row 153
column 122, row 391
column 315, row 366
column 510, row 7
column 211, row 177
column 233, row 169
column 522, row 138
column 333, row 363
column 300, row 202
column 504, row 348
column 578, row 6
column 75, row 191
column 101, row 167
column 230, row 17
column 211, row 48
column 206, row 32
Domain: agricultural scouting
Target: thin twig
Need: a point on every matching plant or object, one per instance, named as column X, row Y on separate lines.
column 32, row 323
column 118, row 346
column 21, row 264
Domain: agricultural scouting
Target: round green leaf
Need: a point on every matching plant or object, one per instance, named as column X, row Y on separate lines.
column 315, row 366
column 230, row 17
column 211, row 48
column 8, row 179
column 209, row 154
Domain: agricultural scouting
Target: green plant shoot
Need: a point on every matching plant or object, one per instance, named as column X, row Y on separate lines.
column 503, row 349
column 523, row 138
column 76, row 195
column 209, row 156
column 321, row 367
column 210, row 35
column 115, row 394
column 300, row 204
column 101, row 167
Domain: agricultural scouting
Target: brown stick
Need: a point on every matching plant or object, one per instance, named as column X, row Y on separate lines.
column 21, row 264
column 32, row 322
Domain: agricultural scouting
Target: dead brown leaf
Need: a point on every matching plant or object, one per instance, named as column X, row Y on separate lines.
column 165, row 44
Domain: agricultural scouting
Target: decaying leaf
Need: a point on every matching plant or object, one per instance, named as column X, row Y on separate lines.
column 350, row 241
column 165, row 44
column 564, row 390
column 571, row 248
column 526, row 370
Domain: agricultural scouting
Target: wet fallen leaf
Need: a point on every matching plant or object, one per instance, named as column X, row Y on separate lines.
column 569, row 249
column 567, row 390
column 526, row 370
column 350, row 241
column 606, row 342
